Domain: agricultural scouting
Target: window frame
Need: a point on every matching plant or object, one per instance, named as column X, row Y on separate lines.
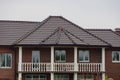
column 115, row 61
column 84, row 56
column 60, row 50
column 5, row 54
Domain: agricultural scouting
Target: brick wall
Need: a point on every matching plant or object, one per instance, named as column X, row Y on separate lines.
column 8, row 73
column 112, row 69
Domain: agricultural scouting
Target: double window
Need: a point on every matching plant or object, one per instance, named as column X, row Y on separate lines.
column 84, row 55
column 5, row 60
column 60, row 56
column 116, row 56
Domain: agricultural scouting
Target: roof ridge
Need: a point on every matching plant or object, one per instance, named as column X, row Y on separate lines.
column 56, row 30
column 115, row 33
column 85, row 30
column 19, row 21
column 99, row 29
column 69, row 37
column 75, row 36
column 30, row 32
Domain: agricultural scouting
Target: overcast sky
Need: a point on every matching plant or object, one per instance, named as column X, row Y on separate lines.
column 85, row 13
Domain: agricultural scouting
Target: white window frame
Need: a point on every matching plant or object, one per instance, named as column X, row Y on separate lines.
column 35, row 52
column 84, row 56
column 5, row 54
column 115, row 61
column 60, row 56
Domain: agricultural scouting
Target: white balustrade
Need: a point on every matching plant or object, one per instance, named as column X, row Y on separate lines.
column 65, row 67
column 61, row 67
column 37, row 67
column 89, row 67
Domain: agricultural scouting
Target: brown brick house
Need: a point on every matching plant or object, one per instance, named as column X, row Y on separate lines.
column 57, row 49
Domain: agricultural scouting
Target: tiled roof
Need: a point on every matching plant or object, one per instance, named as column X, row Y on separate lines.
column 55, row 30
column 45, row 31
column 10, row 31
column 107, row 35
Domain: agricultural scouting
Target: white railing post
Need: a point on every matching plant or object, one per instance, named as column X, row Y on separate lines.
column 75, row 63
column 20, row 64
column 103, row 63
column 52, row 62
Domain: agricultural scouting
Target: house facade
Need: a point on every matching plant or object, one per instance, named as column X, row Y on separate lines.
column 57, row 49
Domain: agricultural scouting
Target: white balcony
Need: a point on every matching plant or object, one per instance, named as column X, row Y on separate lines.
column 61, row 67
column 36, row 67
column 89, row 67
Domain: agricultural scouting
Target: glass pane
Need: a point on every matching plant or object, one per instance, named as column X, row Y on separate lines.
column 81, row 77
column 63, row 55
column 115, row 56
column 57, row 55
column 81, row 56
column 2, row 60
column 86, row 55
column 8, row 60
column 35, row 56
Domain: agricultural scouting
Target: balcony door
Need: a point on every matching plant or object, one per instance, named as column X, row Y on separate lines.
column 35, row 59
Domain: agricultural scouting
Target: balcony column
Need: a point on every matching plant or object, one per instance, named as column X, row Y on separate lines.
column 103, row 63
column 75, row 63
column 52, row 62
column 20, row 64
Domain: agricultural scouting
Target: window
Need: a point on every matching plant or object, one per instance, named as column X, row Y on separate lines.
column 35, row 59
column 61, row 77
column 35, row 77
column 86, row 77
column 35, row 56
column 116, row 56
column 60, row 55
column 83, row 56
column 5, row 60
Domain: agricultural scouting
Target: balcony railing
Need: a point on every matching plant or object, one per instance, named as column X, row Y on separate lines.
column 90, row 67
column 36, row 67
column 61, row 67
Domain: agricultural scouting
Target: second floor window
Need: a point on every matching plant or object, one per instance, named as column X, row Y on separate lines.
column 60, row 56
column 83, row 56
column 116, row 56
column 5, row 60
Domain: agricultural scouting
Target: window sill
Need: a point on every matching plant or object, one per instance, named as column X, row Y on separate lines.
column 115, row 61
column 5, row 67
column 84, row 61
column 60, row 61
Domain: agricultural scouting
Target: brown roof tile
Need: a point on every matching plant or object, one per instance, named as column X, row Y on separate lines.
column 107, row 35
column 48, row 26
